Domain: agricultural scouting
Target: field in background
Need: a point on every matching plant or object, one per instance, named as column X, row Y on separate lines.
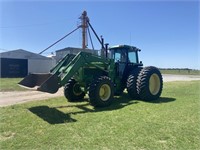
column 172, row 122
column 180, row 71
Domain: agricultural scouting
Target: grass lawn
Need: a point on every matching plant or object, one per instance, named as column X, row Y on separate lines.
column 10, row 84
column 170, row 123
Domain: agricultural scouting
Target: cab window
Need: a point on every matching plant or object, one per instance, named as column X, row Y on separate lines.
column 133, row 57
column 119, row 56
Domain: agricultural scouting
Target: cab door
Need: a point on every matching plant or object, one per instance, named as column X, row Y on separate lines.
column 121, row 60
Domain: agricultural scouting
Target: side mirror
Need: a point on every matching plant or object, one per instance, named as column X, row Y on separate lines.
column 140, row 62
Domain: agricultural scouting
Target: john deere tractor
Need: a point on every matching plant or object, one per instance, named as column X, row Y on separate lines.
column 101, row 77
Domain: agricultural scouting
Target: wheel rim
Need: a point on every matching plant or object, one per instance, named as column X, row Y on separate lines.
column 76, row 89
column 154, row 84
column 105, row 92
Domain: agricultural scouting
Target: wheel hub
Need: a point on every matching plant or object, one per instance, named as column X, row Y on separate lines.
column 77, row 90
column 104, row 92
column 154, row 84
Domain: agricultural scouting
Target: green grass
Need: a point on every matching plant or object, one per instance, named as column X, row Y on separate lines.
column 170, row 123
column 180, row 71
column 10, row 84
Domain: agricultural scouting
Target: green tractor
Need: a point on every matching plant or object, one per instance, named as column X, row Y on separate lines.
column 101, row 77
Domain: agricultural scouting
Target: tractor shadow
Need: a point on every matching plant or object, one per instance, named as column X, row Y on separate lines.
column 51, row 115
column 162, row 100
column 54, row 116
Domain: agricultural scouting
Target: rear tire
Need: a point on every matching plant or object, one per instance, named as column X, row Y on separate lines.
column 149, row 83
column 73, row 92
column 132, row 83
column 101, row 92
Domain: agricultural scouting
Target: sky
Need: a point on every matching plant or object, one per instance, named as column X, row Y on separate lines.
column 167, row 32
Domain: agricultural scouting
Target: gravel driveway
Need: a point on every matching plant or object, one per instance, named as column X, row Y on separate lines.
column 172, row 77
column 15, row 97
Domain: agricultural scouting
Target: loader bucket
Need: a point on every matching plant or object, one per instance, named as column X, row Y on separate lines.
column 44, row 82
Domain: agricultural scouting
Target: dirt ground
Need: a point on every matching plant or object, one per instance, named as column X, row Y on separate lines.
column 15, row 97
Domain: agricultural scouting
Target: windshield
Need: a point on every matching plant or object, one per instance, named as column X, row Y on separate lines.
column 133, row 57
column 120, row 55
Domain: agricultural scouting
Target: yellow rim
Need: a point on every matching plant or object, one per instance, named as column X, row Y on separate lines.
column 105, row 92
column 154, row 84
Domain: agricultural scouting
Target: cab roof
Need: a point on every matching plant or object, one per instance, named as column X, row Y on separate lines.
column 130, row 48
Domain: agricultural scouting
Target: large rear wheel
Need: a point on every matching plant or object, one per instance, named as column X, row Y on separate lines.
column 73, row 92
column 132, row 83
column 149, row 83
column 101, row 92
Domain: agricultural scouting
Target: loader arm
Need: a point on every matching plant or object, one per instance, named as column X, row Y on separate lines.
column 63, row 62
column 63, row 71
column 82, row 59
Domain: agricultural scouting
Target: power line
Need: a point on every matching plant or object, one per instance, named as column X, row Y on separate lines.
column 59, row 40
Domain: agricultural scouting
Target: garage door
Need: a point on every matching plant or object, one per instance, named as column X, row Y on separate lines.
column 12, row 68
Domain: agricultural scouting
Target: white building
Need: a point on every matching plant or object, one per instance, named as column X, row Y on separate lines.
column 19, row 63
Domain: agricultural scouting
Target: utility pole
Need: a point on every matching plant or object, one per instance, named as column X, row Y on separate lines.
column 84, row 18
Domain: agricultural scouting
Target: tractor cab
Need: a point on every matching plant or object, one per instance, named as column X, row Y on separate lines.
column 124, row 54
column 126, row 60
column 124, row 57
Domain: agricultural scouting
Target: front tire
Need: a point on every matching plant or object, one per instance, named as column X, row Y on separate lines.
column 101, row 92
column 73, row 92
column 149, row 83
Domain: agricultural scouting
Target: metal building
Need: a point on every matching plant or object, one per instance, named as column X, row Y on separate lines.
column 19, row 63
